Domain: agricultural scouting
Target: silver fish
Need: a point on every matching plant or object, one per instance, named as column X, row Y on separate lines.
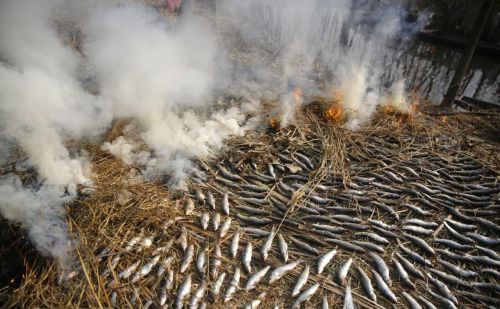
column 491, row 272
column 233, row 286
column 343, row 271
column 425, row 189
column 329, row 228
column 167, row 262
column 225, row 204
column 197, row 296
column 161, row 270
column 164, row 248
column 128, row 271
column 452, row 244
column 188, row 258
column 216, row 261
column 199, row 195
column 457, row 235
column 228, row 175
column 211, row 200
column 417, row 209
column 415, row 256
column 204, row 218
column 132, row 243
column 402, row 273
column 301, row 281
column 201, row 262
column 188, row 206
column 255, row 231
column 447, row 277
column 162, row 296
column 217, row 285
column 113, row 297
column 183, row 239
column 215, row 220
column 283, row 247
column 324, row 303
column 369, row 246
column 145, row 243
column 382, row 268
column 228, row 183
column 280, row 271
column 461, row 226
column 325, row 259
column 484, row 239
column 383, row 287
column 411, row 301
column 266, row 246
column 270, row 169
column 421, row 243
column 247, row 257
column 457, row 270
column 101, row 255
column 348, row 302
column 410, row 170
column 225, row 227
column 381, row 224
column 444, row 301
column 146, row 269
column 147, row 304
column 256, row 302
column 304, row 159
column 183, row 292
column 254, row 188
column 427, row 303
column 254, row 220
column 367, row 285
column 417, row 229
column 235, row 242
column 169, row 281
column 488, row 224
column 302, row 245
column 489, row 252
column 443, row 289
column 422, row 223
column 256, row 278
column 374, row 237
column 306, row 295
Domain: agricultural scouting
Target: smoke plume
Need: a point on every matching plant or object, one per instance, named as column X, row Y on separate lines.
column 68, row 69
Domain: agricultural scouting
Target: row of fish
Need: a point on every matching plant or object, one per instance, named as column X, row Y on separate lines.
column 420, row 232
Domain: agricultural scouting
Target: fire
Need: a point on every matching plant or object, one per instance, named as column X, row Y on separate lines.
column 335, row 113
column 297, row 96
column 336, row 110
column 274, row 123
column 402, row 108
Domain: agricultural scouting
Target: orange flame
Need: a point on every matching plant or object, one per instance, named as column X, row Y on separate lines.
column 274, row 123
column 336, row 110
column 297, row 96
column 335, row 113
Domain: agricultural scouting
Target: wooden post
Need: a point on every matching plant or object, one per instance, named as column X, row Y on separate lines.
column 463, row 65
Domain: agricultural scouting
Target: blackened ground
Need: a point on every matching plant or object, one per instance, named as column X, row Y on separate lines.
column 16, row 255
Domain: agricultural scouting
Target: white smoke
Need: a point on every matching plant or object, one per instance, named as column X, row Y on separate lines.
column 41, row 213
column 345, row 42
column 138, row 64
column 162, row 74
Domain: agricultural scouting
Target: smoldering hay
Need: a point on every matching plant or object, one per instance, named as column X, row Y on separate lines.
column 129, row 62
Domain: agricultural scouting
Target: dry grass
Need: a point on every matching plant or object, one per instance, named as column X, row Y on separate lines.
column 125, row 205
